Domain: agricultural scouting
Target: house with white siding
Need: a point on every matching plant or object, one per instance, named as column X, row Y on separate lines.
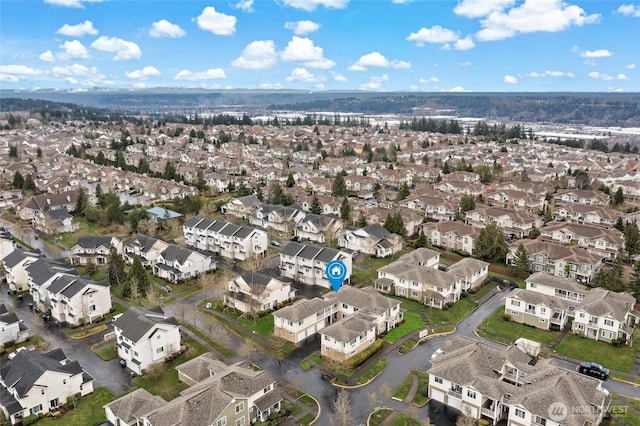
column 308, row 264
column 177, row 263
column 77, row 300
column 256, row 291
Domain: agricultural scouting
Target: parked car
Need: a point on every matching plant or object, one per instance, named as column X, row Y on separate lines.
column 275, row 243
column 594, row 370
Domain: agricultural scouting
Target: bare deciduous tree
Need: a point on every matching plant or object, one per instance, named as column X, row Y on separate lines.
column 373, row 399
column 385, row 393
column 180, row 311
column 155, row 370
column 342, row 410
column 465, row 420
column 249, row 351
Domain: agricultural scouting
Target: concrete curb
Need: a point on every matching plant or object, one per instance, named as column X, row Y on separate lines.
column 374, row 411
column 95, row 330
column 319, row 408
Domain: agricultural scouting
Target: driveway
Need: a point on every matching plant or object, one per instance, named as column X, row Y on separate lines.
column 107, row 374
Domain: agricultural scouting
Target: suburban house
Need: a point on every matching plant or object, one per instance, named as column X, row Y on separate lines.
column 455, row 236
column 348, row 337
column 318, row 228
column 255, row 291
column 225, row 238
column 416, row 276
column 35, row 383
column 241, row 208
column 15, row 264
column 307, row 264
column 602, row 241
column 308, row 317
column 31, row 206
column 146, row 248
column 580, row 196
column 537, row 309
column 518, row 200
column 54, row 222
column 160, row 213
column 77, row 300
column 511, row 222
column 41, row 273
column 144, row 337
column 223, row 394
column 504, row 384
column 94, row 249
column 558, row 260
column 279, row 218
column 594, row 215
column 605, row 315
column 176, row 263
column 7, row 243
column 373, row 240
column 11, row 328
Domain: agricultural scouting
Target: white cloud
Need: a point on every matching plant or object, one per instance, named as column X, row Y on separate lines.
column 79, row 30
column 302, row 27
column 303, row 50
column 245, row 6
column 510, row 79
column 216, row 22
column 533, row 16
column 124, row 49
column 428, row 80
column 464, row 43
column 258, row 55
column 15, row 73
column 72, row 50
column 548, row 73
column 456, row 89
column 338, row 77
column 614, row 89
column 311, row 5
column 209, row 74
column 599, row 53
column 435, row 34
column 47, row 56
column 375, row 83
column 630, row 10
column 301, row 74
column 630, row 66
column 143, row 74
column 76, row 70
column 270, row 86
column 479, row 8
column 401, row 1
column 376, row 59
column 78, row 4
column 463, row 64
column 164, row 28
column 603, row 76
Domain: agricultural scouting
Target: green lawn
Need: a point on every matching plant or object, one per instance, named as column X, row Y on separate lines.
column 403, row 388
column 453, row 315
column 88, row 413
column 224, row 351
column 379, row 416
column 263, row 326
column 412, row 322
column 306, row 365
column 166, row 384
column 495, row 328
column 404, row 420
column 308, row 401
column 518, row 281
column 482, row 291
column 407, row 345
column 423, row 385
column 306, row 419
column 107, row 353
column 603, row 353
column 359, row 276
column 373, row 371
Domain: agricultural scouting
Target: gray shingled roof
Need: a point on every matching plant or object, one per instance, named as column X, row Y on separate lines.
column 350, row 328
column 135, row 404
column 302, row 309
column 174, row 252
column 136, row 322
column 17, row 256
column 42, row 270
column 544, row 278
column 94, row 241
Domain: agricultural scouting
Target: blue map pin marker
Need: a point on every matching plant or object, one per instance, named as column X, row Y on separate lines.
column 336, row 273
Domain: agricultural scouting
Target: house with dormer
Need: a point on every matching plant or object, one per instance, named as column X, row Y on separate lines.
column 307, row 263
column 373, row 240
column 607, row 316
column 36, row 383
column 41, row 274
column 146, row 248
column 319, row 228
column 241, row 208
column 145, row 337
column 257, row 291
column 36, row 204
column 176, row 264
column 77, row 300
column 94, row 249
column 15, row 264
column 282, row 219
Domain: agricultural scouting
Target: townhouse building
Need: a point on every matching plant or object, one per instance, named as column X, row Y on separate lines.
column 607, row 316
column 15, row 264
column 144, row 247
column 12, row 329
column 599, row 240
column 511, row 222
column 372, row 240
column 77, row 300
column 455, row 236
column 319, row 228
column 581, row 196
column 307, row 263
column 257, row 291
column 282, row 219
column 176, row 264
column 94, row 249
column 588, row 214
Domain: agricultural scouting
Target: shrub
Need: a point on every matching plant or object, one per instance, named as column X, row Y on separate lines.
column 464, row 294
column 505, row 317
column 360, row 358
column 620, row 341
column 29, row 420
column 9, row 343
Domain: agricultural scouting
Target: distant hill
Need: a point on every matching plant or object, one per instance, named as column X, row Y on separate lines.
column 595, row 109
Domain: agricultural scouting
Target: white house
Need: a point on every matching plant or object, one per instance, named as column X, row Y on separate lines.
column 316, row 227
column 12, row 329
column 144, row 337
column 307, row 264
column 94, row 249
column 76, row 300
column 41, row 273
column 502, row 384
column 15, row 264
column 146, row 248
column 348, row 336
column 36, row 383
column 7, row 243
column 177, row 263
column 252, row 292
column 605, row 315
column 373, row 240
column 280, row 218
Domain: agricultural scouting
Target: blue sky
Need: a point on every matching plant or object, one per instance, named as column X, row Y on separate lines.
column 374, row 45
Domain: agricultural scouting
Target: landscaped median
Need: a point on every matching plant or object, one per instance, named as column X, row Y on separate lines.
column 617, row 358
column 496, row 328
column 417, row 378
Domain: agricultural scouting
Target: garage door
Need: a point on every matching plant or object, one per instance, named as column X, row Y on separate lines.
column 437, row 395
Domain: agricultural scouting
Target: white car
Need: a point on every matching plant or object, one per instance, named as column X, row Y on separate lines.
column 436, row 353
column 13, row 354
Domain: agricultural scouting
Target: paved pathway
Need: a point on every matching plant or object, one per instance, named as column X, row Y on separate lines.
column 414, row 388
column 389, row 419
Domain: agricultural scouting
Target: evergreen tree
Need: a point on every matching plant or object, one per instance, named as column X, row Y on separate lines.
column 548, row 214
column 619, row 224
column 467, row 203
column 362, row 220
column 82, row 202
column 345, row 210
column 635, row 281
column 521, row 261
column 29, row 184
column 99, row 195
column 632, row 239
column 491, row 245
column 137, row 281
column 422, row 240
column 18, row 180
column 618, row 197
column 259, row 194
column 291, row 182
column 339, row 187
column 404, row 192
column 276, row 196
column 117, row 274
column 316, row 207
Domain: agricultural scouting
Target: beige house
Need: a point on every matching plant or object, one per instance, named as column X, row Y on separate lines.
column 599, row 240
column 373, row 240
column 455, row 236
column 253, row 292
column 511, row 222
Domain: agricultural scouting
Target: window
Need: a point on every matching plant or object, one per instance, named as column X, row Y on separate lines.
column 36, row 409
column 437, row 380
column 158, row 337
column 519, row 413
column 608, row 322
column 239, row 407
column 533, row 285
column 515, row 303
column 160, row 349
column 54, row 403
column 514, row 312
column 414, row 293
column 300, row 322
column 64, row 381
column 41, row 391
column 543, row 310
column 222, row 421
column 240, row 421
column 540, row 421
column 541, row 319
column 471, row 394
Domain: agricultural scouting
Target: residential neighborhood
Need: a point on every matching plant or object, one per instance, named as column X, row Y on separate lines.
column 186, row 264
